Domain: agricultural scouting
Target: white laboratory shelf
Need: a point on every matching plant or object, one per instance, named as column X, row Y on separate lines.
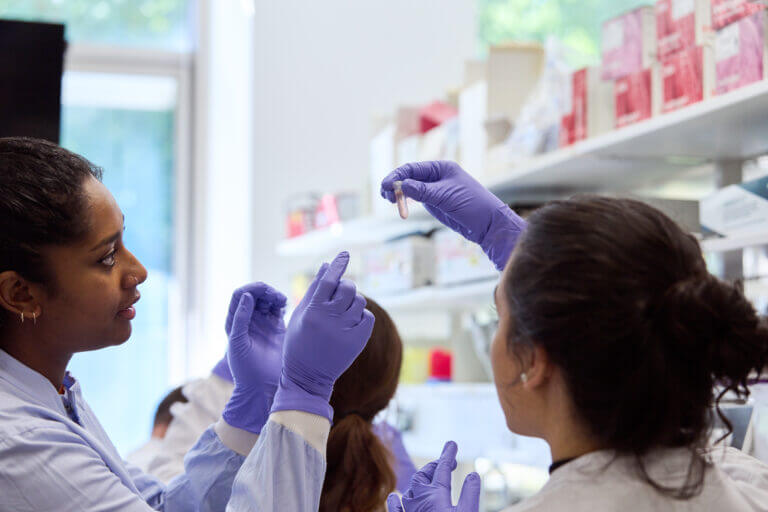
column 440, row 298
column 724, row 128
column 735, row 242
column 355, row 233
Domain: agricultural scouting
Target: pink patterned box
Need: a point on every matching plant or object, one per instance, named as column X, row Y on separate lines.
column 686, row 78
column 740, row 53
column 725, row 12
column 681, row 24
column 634, row 98
column 629, row 43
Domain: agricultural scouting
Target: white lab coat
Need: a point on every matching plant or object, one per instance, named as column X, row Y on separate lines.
column 206, row 399
column 597, row 482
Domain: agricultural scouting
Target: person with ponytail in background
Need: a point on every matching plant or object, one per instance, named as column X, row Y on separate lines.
column 365, row 461
column 614, row 345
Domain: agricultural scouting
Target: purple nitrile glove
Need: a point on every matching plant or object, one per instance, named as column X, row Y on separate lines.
column 460, row 202
column 431, row 488
column 393, row 439
column 222, row 369
column 327, row 331
column 256, row 332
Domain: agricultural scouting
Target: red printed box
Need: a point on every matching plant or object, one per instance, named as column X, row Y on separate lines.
column 740, row 53
column 725, row 12
column 629, row 43
column 589, row 107
column 634, row 98
column 686, row 78
column 681, row 24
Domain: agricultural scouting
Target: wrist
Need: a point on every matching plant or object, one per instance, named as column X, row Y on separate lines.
column 503, row 233
column 249, row 409
column 291, row 396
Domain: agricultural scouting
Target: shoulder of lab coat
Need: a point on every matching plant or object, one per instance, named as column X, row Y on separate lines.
column 602, row 481
column 206, row 400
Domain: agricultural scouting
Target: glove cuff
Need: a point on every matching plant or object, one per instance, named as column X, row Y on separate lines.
column 292, row 397
column 502, row 235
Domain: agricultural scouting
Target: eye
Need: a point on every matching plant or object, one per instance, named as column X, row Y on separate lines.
column 109, row 260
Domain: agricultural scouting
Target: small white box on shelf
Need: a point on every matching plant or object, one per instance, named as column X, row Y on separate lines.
column 736, row 209
column 459, row 260
column 397, row 266
column 513, row 72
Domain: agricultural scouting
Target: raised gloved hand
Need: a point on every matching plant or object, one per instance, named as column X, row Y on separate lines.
column 431, row 488
column 392, row 439
column 460, row 202
column 256, row 330
column 327, row 331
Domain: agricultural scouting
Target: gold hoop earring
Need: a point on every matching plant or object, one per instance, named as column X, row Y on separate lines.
column 22, row 316
column 34, row 318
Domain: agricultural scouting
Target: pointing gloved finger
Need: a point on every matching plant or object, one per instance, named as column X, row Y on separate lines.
column 312, row 288
column 393, row 503
column 469, row 499
column 238, row 336
column 256, row 289
column 330, row 281
column 445, row 465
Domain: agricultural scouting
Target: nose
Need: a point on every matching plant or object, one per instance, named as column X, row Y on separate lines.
column 135, row 274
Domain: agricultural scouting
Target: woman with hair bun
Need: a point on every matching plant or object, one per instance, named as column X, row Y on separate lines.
column 614, row 345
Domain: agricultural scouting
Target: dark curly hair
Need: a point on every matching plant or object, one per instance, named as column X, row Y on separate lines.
column 621, row 300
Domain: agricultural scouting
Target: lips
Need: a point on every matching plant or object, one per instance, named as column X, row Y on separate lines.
column 128, row 312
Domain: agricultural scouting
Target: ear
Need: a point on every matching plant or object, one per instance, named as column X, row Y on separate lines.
column 539, row 369
column 17, row 295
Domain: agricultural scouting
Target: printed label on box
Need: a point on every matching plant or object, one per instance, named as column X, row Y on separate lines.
column 682, row 77
column 725, row 12
column 633, row 98
column 613, row 34
column 727, row 42
column 739, row 53
column 682, row 8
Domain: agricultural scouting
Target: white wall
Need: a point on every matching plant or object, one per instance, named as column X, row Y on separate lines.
column 322, row 69
column 221, row 255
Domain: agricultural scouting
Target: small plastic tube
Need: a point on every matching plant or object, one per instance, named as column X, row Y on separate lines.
column 402, row 205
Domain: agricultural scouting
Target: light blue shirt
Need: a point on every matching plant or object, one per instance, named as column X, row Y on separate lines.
column 54, row 455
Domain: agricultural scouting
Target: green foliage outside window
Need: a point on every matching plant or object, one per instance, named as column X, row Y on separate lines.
column 577, row 23
column 141, row 23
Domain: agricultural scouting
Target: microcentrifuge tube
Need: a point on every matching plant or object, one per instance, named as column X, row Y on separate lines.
column 402, row 205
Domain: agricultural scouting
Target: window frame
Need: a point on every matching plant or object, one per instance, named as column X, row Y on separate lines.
column 82, row 57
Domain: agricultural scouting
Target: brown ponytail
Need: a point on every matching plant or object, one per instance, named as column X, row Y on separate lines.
column 360, row 475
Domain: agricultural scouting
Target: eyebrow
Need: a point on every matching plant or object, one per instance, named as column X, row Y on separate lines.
column 110, row 239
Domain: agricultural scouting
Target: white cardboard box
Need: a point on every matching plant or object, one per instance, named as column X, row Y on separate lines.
column 397, row 266
column 459, row 260
column 736, row 209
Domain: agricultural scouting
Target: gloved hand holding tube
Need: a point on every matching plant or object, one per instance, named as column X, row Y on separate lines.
column 256, row 330
column 327, row 331
column 430, row 489
column 460, row 202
